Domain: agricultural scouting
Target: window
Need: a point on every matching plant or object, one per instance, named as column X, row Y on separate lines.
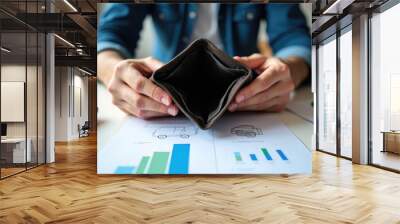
column 327, row 95
column 385, row 89
column 346, row 74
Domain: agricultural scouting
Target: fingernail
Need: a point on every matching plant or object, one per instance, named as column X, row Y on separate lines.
column 172, row 111
column 165, row 100
column 240, row 98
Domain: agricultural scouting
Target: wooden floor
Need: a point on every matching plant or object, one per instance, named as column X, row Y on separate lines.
column 70, row 191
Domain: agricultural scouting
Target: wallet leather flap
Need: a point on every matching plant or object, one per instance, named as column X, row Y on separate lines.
column 202, row 80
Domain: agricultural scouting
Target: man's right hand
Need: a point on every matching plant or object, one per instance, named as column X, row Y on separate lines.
column 133, row 91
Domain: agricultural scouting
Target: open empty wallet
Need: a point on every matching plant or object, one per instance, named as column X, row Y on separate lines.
column 202, row 80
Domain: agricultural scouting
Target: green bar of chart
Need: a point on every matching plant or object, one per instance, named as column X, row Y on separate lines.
column 238, row 157
column 266, row 153
column 158, row 163
column 143, row 164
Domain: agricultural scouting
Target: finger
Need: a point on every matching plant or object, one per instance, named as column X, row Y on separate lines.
column 252, row 61
column 141, row 84
column 283, row 102
column 150, row 114
column 259, row 107
column 147, row 65
column 277, row 108
column 127, row 108
column 152, row 63
column 142, row 102
column 124, row 106
column 259, row 84
column 278, row 89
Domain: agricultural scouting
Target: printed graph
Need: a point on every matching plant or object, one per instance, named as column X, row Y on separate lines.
column 251, row 144
column 161, row 162
column 253, row 157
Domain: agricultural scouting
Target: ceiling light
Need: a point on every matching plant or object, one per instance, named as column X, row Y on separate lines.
column 65, row 41
column 84, row 71
column 5, row 50
column 70, row 5
column 331, row 9
column 337, row 7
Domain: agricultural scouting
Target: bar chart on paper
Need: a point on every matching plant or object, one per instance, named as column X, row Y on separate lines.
column 265, row 153
column 236, row 145
column 176, row 162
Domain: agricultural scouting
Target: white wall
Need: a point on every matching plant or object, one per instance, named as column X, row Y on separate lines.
column 61, row 103
column 16, row 72
column 71, row 93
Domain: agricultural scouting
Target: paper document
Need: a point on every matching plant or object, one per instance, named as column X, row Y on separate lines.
column 237, row 144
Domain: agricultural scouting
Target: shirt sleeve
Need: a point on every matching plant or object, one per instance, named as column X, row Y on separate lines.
column 288, row 32
column 119, row 28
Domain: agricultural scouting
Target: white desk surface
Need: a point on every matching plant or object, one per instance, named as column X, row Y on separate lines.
column 109, row 118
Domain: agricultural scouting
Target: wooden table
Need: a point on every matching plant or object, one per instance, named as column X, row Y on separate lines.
column 391, row 141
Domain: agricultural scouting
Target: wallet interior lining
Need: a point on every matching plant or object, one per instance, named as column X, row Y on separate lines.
column 207, row 81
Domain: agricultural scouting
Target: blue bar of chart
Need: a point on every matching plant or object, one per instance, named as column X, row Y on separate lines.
column 124, row 170
column 158, row 162
column 253, row 157
column 266, row 153
column 281, row 154
column 180, row 159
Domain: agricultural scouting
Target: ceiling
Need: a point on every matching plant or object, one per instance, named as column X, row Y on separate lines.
column 74, row 21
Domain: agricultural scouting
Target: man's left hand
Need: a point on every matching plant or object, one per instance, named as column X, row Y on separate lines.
column 270, row 91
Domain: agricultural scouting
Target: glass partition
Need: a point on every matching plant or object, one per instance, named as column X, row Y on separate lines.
column 13, row 105
column 31, row 99
column 41, row 97
column 327, row 95
column 23, row 89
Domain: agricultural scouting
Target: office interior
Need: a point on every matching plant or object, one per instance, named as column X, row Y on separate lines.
column 49, row 91
column 356, row 82
column 48, row 80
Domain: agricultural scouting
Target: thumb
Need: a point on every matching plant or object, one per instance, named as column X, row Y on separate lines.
column 147, row 65
column 152, row 63
column 253, row 61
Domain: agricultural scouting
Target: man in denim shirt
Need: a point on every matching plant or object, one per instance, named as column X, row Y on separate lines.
column 232, row 27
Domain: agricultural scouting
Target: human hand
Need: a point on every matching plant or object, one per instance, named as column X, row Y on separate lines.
column 270, row 91
column 134, row 93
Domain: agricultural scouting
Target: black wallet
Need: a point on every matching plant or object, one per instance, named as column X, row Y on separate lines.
column 202, row 80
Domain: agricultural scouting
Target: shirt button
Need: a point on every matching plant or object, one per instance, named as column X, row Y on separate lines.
column 161, row 16
column 185, row 40
column 192, row 15
column 250, row 16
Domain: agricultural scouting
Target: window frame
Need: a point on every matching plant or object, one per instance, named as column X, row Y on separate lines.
column 332, row 37
column 378, row 10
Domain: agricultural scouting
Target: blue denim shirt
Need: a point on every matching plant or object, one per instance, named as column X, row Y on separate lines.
column 287, row 30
